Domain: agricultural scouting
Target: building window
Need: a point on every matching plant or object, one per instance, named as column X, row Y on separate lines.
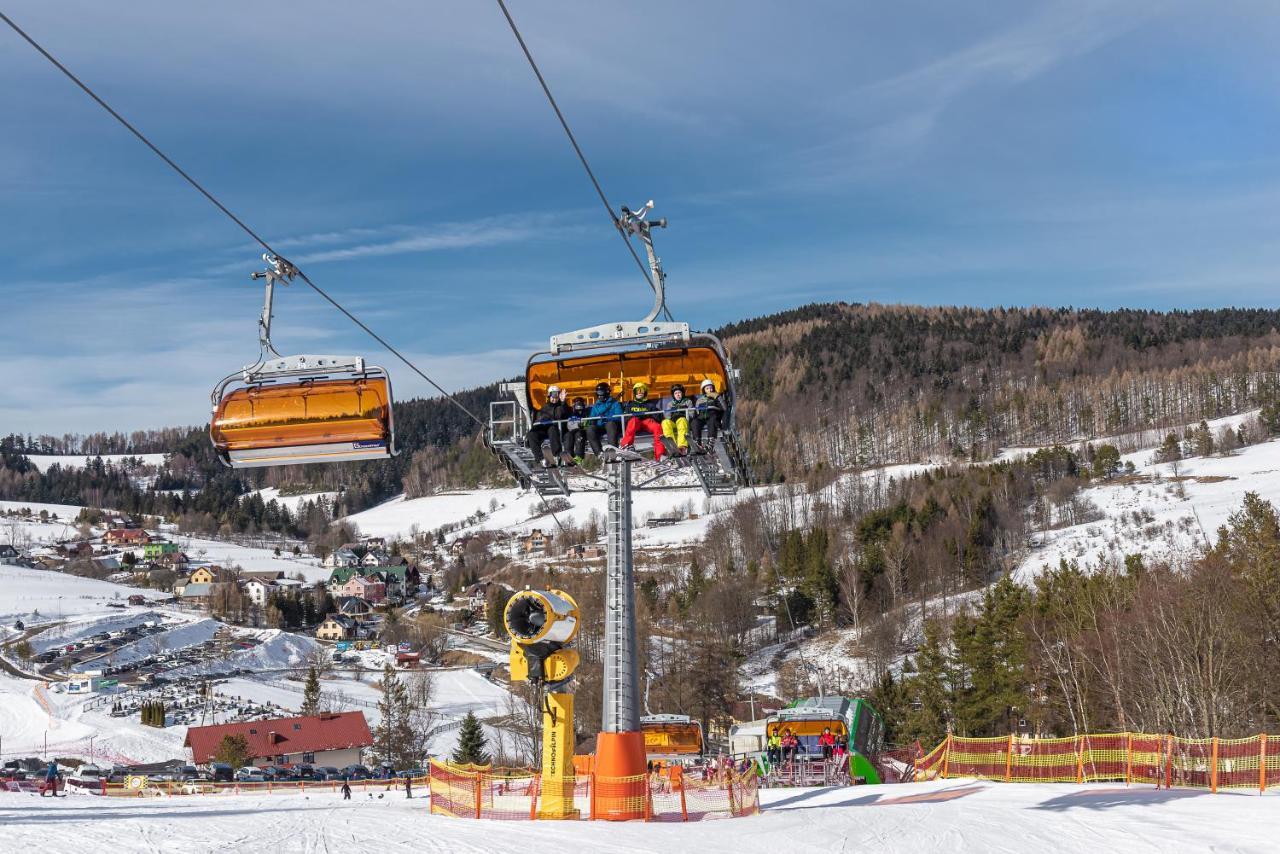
column 308, row 758
column 297, row 727
column 253, row 732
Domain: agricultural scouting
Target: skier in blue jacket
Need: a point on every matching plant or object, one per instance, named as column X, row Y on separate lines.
column 605, row 418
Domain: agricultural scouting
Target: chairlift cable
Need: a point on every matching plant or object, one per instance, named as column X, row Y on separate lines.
column 582, row 158
column 220, row 206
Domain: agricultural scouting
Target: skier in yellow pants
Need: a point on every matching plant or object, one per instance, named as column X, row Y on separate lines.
column 676, row 412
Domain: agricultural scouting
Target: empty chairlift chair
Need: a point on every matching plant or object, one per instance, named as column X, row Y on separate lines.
column 290, row 410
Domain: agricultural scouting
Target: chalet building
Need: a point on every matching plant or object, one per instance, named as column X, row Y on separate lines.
column 589, row 551
column 345, row 555
column 535, row 542
column 336, row 627
column 363, row 587
column 203, row 575
column 196, row 594
column 335, row 739
column 126, row 537
column 354, row 607
column 8, row 555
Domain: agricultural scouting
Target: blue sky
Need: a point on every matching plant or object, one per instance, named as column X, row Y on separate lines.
column 1085, row 152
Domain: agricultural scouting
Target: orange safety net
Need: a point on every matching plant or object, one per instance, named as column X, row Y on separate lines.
column 1162, row 760
column 518, row 795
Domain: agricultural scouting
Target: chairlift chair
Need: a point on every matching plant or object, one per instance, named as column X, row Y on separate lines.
column 657, row 352
column 292, row 410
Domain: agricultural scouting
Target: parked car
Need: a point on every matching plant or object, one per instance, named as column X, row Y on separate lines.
column 86, row 776
column 356, row 772
column 327, row 772
column 413, row 772
column 221, row 772
column 250, row 775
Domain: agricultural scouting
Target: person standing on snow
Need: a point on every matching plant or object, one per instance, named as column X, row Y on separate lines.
column 346, row 789
column 50, row 780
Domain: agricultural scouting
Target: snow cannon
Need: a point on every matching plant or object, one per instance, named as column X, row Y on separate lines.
column 541, row 624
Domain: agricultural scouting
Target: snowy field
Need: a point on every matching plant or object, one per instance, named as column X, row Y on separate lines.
column 942, row 816
column 43, row 462
column 55, row 595
column 1160, row 514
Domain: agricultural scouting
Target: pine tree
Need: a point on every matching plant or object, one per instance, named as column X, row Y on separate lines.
column 393, row 737
column 311, row 693
column 472, row 746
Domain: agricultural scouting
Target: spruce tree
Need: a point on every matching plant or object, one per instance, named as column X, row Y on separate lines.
column 393, row 737
column 311, row 693
column 472, row 746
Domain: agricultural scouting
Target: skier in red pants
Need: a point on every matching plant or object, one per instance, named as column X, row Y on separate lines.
column 641, row 412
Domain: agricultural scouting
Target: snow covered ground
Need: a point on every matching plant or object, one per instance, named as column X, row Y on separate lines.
column 249, row 558
column 44, row 461
column 950, row 815
column 55, row 595
column 1159, row 514
column 292, row 502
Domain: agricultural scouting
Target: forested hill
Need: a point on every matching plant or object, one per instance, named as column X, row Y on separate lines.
column 844, row 384
column 823, row 386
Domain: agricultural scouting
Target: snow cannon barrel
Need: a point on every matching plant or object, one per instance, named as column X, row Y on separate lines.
column 541, row 624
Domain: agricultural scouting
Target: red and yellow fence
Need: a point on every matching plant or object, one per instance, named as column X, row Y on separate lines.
column 1128, row 757
column 464, row 792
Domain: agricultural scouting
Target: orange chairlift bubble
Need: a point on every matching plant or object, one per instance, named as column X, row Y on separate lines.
column 290, row 410
column 657, row 352
column 672, row 737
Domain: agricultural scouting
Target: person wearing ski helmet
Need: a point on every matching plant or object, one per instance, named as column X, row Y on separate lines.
column 604, row 420
column 544, row 434
column 575, row 435
column 641, row 412
column 709, row 412
column 677, row 411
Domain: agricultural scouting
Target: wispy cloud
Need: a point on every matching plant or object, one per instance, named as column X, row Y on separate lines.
column 490, row 231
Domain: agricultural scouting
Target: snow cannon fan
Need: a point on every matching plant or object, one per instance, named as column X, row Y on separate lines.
column 542, row 624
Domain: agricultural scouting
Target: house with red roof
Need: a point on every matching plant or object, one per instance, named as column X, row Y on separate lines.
column 331, row 738
column 126, row 537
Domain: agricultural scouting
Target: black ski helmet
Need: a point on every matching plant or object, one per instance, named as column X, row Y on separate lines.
column 677, row 387
column 603, row 390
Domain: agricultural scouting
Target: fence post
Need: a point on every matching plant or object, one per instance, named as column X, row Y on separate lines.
column 1168, row 762
column 533, row 800
column 1262, row 763
column 732, row 806
column 1008, row 760
column 648, row 799
column 1079, row 758
column 684, row 809
column 946, row 755
column 1213, row 769
column 1128, row 758
column 478, row 785
column 591, row 795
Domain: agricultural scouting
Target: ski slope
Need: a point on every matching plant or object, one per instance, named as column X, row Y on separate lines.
column 942, row 816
